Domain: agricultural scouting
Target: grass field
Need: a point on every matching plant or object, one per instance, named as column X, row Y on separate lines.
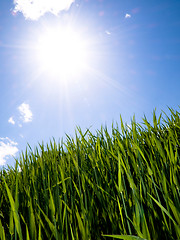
column 117, row 184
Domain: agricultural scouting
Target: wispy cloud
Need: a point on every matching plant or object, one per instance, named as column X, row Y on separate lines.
column 11, row 120
column 25, row 112
column 34, row 9
column 107, row 32
column 128, row 15
column 7, row 148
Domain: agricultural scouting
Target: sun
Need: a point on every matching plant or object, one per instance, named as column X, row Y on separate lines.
column 61, row 51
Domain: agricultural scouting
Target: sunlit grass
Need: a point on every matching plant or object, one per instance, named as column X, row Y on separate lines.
column 122, row 184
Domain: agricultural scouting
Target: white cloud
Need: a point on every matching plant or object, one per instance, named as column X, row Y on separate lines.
column 25, row 112
column 107, row 32
column 33, row 9
column 128, row 15
column 7, row 148
column 11, row 120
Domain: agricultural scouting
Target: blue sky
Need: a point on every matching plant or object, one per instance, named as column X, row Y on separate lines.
column 131, row 66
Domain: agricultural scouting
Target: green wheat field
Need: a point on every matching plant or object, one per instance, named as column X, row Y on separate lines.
column 121, row 183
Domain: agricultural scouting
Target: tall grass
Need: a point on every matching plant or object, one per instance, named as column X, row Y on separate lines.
column 123, row 184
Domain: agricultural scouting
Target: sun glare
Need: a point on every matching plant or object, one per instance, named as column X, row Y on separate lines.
column 61, row 51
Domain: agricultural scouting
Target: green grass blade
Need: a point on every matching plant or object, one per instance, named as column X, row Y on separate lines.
column 163, row 209
column 126, row 237
column 2, row 232
column 15, row 213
